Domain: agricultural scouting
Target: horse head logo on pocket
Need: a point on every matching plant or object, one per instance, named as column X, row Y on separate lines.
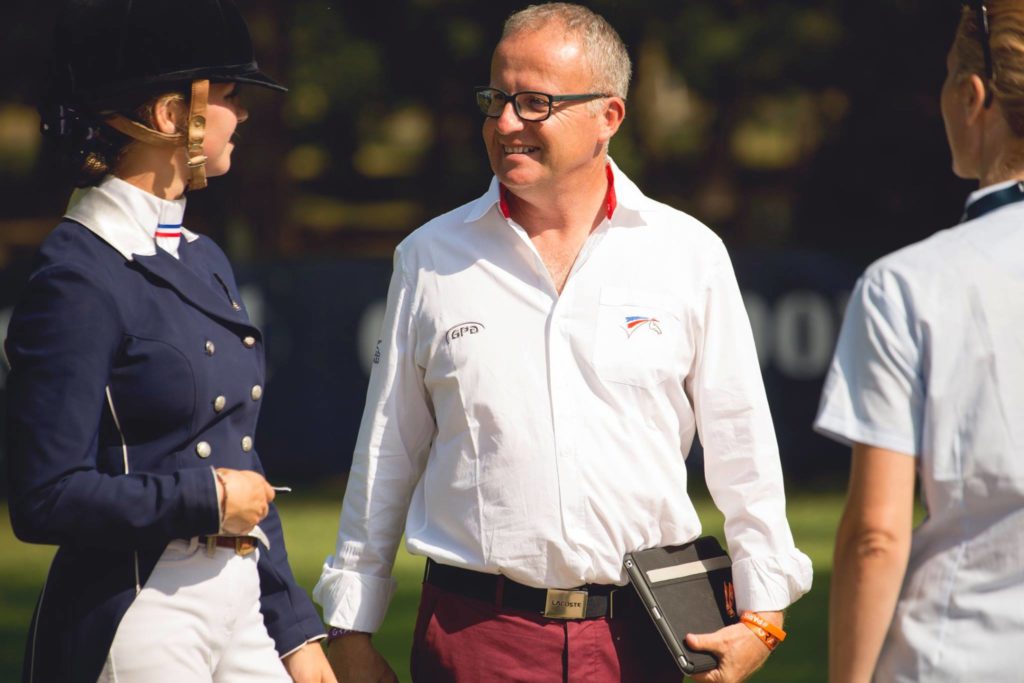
column 635, row 322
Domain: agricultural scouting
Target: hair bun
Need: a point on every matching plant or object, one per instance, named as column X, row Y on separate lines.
column 83, row 143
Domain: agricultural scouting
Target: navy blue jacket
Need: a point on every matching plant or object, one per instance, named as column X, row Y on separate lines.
column 167, row 337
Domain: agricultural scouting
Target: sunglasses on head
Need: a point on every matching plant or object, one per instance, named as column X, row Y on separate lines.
column 981, row 17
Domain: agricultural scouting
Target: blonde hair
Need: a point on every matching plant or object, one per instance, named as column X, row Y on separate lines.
column 1006, row 42
column 607, row 58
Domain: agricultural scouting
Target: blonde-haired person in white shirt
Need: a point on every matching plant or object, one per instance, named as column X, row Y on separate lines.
column 548, row 353
column 928, row 384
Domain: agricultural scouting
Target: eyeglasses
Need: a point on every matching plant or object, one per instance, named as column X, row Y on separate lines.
column 528, row 105
column 981, row 16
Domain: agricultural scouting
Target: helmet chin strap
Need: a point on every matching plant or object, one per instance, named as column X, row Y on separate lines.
column 196, row 131
column 192, row 139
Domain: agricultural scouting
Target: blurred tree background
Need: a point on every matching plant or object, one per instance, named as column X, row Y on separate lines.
column 805, row 132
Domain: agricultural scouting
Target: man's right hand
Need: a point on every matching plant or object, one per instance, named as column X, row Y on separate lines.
column 355, row 660
column 245, row 497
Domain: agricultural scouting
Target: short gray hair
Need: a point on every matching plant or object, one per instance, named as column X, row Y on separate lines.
column 606, row 54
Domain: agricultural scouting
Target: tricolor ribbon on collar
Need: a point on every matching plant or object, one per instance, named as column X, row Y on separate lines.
column 168, row 237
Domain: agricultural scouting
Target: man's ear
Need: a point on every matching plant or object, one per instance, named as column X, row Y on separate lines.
column 169, row 114
column 973, row 94
column 611, row 117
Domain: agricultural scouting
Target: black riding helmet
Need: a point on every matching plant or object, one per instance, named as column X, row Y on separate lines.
column 105, row 49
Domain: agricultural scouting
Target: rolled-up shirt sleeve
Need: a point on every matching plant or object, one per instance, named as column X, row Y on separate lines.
column 356, row 586
column 741, row 457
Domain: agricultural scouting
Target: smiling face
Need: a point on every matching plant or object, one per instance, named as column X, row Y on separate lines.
column 533, row 156
column 223, row 114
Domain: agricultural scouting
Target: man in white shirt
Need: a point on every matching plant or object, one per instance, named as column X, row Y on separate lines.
column 548, row 354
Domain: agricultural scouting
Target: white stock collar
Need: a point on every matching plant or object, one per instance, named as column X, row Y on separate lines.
column 127, row 217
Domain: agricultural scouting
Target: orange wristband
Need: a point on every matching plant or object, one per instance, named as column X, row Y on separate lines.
column 770, row 634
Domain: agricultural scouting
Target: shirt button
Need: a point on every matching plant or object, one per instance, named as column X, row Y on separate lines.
column 257, row 392
column 219, row 403
column 235, row 305
column 203, row 449
column 246, row 443
column 210, row 347
column 249, row 342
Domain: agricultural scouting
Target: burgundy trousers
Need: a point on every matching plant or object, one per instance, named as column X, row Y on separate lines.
column 469, row 641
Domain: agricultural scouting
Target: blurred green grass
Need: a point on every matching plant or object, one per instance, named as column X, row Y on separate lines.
column 310, row 526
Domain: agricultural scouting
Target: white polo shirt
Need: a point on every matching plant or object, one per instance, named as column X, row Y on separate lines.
column 930, row 362
column 514, row 430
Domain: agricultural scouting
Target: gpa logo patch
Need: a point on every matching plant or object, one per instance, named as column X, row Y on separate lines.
column 635, row 322
column 463, row 330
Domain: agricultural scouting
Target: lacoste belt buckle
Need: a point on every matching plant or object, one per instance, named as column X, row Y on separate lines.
column 565, row 604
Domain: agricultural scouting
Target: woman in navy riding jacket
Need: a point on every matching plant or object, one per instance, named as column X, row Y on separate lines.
column 137, row 377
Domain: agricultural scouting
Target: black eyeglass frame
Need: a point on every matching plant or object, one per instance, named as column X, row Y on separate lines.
column 981, row 16
column 514, row 99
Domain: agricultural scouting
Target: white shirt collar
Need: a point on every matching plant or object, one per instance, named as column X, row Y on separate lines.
column 486, row 202
column 127, row 217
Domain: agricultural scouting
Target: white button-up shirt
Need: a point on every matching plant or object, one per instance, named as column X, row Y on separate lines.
column 930, row 362
column 514, row 430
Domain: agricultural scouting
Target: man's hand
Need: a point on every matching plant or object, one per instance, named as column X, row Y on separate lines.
column 309, row 665
column 354, row 660
column 740, row 653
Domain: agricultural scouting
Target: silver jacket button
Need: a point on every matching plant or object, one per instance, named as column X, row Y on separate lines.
column 246, row 443
column 257, row 392
column 203, row 449
column 249, row 342
column 210, row 347
column 219, row 403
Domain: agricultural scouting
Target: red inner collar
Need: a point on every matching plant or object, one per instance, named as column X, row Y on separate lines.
column 610, row 202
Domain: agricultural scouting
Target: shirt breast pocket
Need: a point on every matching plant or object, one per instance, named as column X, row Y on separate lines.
column 638, row 337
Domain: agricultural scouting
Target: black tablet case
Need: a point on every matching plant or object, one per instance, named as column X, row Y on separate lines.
column 682, row 596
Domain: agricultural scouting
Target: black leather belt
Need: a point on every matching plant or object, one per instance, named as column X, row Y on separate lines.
column 583, row 602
